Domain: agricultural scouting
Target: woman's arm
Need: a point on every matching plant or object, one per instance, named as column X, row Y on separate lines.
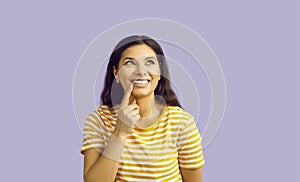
column 98, row 167
column 191, row 175
column 104, row 168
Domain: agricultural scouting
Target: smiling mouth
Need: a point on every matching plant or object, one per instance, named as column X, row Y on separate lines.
column 140, row 81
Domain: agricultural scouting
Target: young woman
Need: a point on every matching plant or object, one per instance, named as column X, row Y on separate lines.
column 140, row 132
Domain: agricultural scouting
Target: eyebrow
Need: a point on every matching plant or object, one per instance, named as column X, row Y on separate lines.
column 150, row 57
column 134, row 59
column 127, row 58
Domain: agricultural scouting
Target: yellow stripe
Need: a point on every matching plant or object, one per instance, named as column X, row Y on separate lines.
column 148, row 139
column 189, row 148
column 170, row 167
column 160, row 148
column 173, row 123
column 143, row 177
column 148, row 164
column 188, row 136
column 189, row 153
column 191, row 163
column 148, row 160
column 149, row 153
column 152, row 144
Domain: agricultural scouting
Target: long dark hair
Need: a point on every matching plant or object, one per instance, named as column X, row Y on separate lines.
column 163, row 88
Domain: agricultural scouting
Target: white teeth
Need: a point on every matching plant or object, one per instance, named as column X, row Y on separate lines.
column 140, row 82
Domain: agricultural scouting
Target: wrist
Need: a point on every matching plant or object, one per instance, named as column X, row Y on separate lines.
column 114, row 148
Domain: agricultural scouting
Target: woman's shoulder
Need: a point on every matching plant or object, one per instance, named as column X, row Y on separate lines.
column 103, row 114
column 106, row 110
column 179, row 112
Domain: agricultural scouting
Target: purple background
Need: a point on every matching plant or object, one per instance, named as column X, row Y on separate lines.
column 255, row 41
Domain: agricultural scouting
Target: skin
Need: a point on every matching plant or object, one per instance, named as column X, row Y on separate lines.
column 137, row 105
column 140, row 62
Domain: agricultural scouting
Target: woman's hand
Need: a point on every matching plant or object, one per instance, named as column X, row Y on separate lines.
column 128, row 114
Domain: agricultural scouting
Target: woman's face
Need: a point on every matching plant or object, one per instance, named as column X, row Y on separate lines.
column 138, row 65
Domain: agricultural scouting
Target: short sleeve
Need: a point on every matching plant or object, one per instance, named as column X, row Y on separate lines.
column 189, row 146
column 93, row 133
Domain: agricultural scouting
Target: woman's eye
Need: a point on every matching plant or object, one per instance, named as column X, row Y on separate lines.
column 129, row 63
column 150, row 62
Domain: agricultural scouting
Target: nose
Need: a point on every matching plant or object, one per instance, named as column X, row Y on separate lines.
column 141, row 70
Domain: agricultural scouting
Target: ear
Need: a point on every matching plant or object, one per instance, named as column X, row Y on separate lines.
column 115, row 74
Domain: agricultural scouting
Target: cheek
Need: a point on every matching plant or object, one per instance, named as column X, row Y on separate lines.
column 154, row 71
column 124, row 74
column 155, row 81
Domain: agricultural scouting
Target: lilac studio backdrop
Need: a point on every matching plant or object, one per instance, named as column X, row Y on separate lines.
column 255, row 42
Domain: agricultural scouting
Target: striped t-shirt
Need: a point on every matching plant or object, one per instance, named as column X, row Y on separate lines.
column 154, row 153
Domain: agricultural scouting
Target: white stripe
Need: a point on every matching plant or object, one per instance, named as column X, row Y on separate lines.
column 173, row 175
column 183, row 146
column 167, row 160
column 139, row 147
column 193, row 165
column 98, row 146
column 98, row 120
column 153, row 174
column 89, row 132
column 183, row 157
column 149, row 152
column 133, row 179
column 194, row 162
column 178, row 128
column 147, row 169
column 153, row 142
column 92, row 127
column 168, row 134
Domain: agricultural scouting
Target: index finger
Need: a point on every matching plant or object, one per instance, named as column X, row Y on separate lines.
column 125, row 100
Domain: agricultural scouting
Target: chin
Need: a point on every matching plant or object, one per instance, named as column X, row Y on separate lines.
column 142, row 93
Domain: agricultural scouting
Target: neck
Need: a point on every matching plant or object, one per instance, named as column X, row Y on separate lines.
column 146, row 105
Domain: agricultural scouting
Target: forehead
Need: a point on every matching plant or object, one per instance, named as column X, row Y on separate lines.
column 138, row 51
